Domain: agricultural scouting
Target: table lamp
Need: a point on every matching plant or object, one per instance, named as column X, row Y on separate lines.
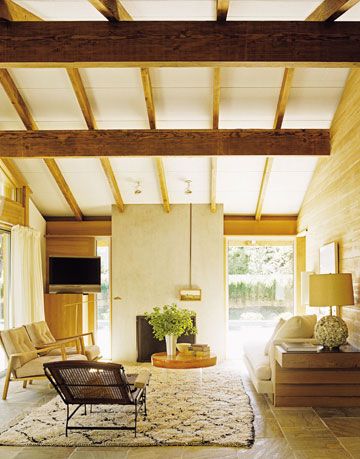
column 331, row 290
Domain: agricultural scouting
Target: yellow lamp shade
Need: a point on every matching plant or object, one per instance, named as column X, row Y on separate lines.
column 331, row 290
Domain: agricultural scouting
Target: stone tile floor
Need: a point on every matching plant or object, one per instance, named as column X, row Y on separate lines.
column 280, row 433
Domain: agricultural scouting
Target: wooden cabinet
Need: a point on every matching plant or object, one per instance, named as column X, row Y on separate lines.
column 317, row 379
column 69, row 314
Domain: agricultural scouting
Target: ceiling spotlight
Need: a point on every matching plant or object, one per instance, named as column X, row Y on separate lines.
column 138, row 189
column 188, row 185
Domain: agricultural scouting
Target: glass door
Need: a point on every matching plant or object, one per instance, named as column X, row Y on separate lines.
column 4, row 289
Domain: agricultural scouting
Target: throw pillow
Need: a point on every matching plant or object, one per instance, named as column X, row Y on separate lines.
column 276, row 329
column 297, row 327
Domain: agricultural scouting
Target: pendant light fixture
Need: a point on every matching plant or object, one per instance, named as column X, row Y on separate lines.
column 190, row 294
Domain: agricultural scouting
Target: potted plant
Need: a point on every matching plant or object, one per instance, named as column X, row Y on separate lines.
column 170, row 322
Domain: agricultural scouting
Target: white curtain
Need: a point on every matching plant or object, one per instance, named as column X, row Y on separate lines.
column 26, row 283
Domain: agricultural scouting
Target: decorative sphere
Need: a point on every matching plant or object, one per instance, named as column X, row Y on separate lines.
column 331, row 331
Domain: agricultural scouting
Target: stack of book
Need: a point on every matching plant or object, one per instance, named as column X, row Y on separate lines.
column 200, row 350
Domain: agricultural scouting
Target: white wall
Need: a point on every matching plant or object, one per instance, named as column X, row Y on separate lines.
column 150, row 263
column 37, row 222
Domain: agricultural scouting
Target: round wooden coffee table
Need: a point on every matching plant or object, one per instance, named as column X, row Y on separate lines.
column 181, row 361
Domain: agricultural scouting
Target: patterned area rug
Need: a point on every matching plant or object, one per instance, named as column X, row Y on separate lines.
column 185, row 407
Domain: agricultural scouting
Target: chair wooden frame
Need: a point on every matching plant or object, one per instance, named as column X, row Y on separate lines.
column 11, row 371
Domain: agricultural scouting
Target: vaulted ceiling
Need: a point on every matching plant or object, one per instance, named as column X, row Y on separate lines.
column 173, row 98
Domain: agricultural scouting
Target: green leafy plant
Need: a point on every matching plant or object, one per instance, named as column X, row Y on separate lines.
column 171, row 320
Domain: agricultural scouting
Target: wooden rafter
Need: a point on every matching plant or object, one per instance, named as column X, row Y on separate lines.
column 163, row 186
column 13, row 173
column 179, row 43
column 24, row 113
column 164, row 142
column 222, row 8
column 87, row 112
column 112, row 10
column 215, row 123
column 11, row 11
column 328, row 10
column 64, row 187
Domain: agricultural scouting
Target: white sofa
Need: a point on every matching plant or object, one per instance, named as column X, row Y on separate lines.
column 260, row 366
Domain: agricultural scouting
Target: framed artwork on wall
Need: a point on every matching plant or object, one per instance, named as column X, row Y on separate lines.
column 329, row 258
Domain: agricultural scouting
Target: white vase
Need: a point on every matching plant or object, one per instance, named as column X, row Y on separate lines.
column 170, row 345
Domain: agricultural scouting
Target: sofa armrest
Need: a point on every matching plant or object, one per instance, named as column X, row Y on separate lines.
column 142, row 379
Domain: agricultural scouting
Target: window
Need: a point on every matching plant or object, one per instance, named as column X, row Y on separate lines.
column 4, row 288
column 260, row 280
column 103, row 308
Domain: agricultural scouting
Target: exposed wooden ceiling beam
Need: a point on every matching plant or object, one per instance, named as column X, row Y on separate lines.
column 163, row 186
column 181, row 43
column 24, row 113
column 222, row 8
column 64, row 187
column 11, row 11
column 85, row 107
column 329, row 10
column 164, row 142
column 113, row 10
column 109, row 172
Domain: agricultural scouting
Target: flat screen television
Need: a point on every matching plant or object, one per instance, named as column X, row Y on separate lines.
column 74, row 274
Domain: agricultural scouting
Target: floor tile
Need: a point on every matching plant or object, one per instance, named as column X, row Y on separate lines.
column 318, row 453
column 299, row 418
column 307, row 438
column 156, row 452
column 325, row 412
column 274, row 448
column 266, row 427
column 344, row 426
column 99, row 453
column 9, row 452
column 44, row 452
column 208, row 452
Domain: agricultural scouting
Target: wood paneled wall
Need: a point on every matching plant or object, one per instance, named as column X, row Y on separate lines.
column 331, row 208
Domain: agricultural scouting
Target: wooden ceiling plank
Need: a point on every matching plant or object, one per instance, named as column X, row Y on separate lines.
column 11, row 11
column 64, row 187
column 109, row 172
column 112, row 10
column 188, row 43
column 16, row 99
column 81, row 96
column 222, row 8
column 164, row 142
column 162, row 181
column 329, row 10
column 149, row 100
column 213, row 173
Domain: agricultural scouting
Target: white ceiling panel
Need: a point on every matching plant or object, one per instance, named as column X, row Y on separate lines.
column 111, row 78
column 270, row 10
column 46, row 194
column 176, row 77
column 252, row 77
column 194, row 10
column 7, row 111
column 183, row 104
column 123, row 124
column 352, row 15
column 248, row 104
column 319, row 78
column 129, row 171
column 41, row 78
column 88, row 184
column 294, row 164
column 312, row 104
column 111, row 104
column 238, row 202
column 62, row 10
column 238, row 164
column 282, row 203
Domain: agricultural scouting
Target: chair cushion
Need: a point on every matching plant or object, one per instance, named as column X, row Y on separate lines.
column 40, row 333
column 297, row 327
column 92, row 351
column 35, row 367
column 259, row 362
column 276, row 329
column 16, row 340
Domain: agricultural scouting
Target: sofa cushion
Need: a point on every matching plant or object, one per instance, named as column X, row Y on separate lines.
column 91, row 352
column 297, row 327
column 35, row 367
column 277, row 327
column 259, row 362
column 40, row 333
column 16, row 340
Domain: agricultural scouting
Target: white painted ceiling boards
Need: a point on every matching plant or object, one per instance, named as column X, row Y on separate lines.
column 183, row 99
